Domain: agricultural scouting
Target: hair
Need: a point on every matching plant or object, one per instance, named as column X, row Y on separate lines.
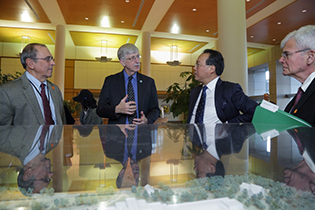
column 219, row 170
column 215, row 58
column 304, row 37
column 25, row 186
column 29, row 51
column 125, row 50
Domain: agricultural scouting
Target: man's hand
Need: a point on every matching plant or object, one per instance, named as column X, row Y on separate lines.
column 141, row 120
column 126, row 107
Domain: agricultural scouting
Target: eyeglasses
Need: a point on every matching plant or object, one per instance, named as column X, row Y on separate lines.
column 133, row 58
column 286, row 54
column 46, row 180
column 197, row 65
column 48, row 58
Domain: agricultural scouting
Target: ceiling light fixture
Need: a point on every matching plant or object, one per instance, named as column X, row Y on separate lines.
column 207, row 30
column 274, row 40
column 175, row 29
column 25, row 17
column 304, row 10
column 86, row 18
column 279, row 23
column 105, row 22
column 174, row 54
column 194, row 10
column 103, row 57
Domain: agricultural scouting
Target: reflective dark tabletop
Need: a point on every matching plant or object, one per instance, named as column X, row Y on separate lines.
column 93, row 167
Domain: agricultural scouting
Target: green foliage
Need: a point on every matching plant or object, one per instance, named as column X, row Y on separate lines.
column 72, row 105
column 180, row 95
column 4, row 78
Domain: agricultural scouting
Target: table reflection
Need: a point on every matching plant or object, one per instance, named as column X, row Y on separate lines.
column 30, row 144
column 85, row 159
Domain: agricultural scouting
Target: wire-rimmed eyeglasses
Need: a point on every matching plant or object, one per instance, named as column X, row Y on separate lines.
column 286, row 54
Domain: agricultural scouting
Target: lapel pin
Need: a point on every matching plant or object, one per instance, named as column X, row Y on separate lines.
column 140, row 81
column 295, row 111
column 53, row 87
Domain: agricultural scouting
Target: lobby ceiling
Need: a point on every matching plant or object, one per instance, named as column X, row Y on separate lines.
column 120, row 21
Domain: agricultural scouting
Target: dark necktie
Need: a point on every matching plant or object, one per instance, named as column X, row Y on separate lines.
column 298, row 96
column 201, row 106
column 130, row 133
column 42, row 137
column 47, row 111
column 131, row 97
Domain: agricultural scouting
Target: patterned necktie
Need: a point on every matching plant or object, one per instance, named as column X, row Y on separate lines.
column 47, row 111
column 130, row 133
column 298, row 96
column 131, row 97
column 201, row 106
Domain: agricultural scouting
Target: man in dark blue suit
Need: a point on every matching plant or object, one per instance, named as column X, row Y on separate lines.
column 114, row 102
column 224, row 101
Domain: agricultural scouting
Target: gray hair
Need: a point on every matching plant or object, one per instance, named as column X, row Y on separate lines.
column 125, row 50
column 303, row 37
column 29, row 51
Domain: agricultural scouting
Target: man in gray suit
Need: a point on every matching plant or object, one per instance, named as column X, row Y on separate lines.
column 21, row 100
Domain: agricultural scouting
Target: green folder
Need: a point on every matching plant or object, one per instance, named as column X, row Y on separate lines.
column 266, row 119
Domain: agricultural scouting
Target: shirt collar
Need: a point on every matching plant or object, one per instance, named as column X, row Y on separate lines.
column 127, row 76
column 308, row 81
column 211, row 85
column 33, row 80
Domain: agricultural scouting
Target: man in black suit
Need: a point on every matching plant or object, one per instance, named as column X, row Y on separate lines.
column 116, row 147
column 114, row 102
column 298, row 61
column 224, row 101
column 228, row 139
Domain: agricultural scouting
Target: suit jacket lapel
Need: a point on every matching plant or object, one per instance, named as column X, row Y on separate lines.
column 56, row 100
column 218, row 100
column 32, row 100
column 141, row 91
column 121, row 84
column 310, row 90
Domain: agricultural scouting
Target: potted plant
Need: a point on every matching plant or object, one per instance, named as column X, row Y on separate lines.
column 73, row 107
column 180, row 95
column 4, row 78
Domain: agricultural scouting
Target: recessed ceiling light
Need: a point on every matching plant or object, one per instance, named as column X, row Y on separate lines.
column 251, row 37
column 194, row 10
column 248, row 0
column 122, row 21
column 86, row 18
column 274, row 40
column 25, row 17
column 127, row 1
column 175, row 29
column 304, row 10
column 279, row 23
column 105, row 22
column 207, row 30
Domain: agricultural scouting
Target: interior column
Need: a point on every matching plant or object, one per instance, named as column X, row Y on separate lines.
column 59, row 69
column 146, row 53
column 232, row 40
